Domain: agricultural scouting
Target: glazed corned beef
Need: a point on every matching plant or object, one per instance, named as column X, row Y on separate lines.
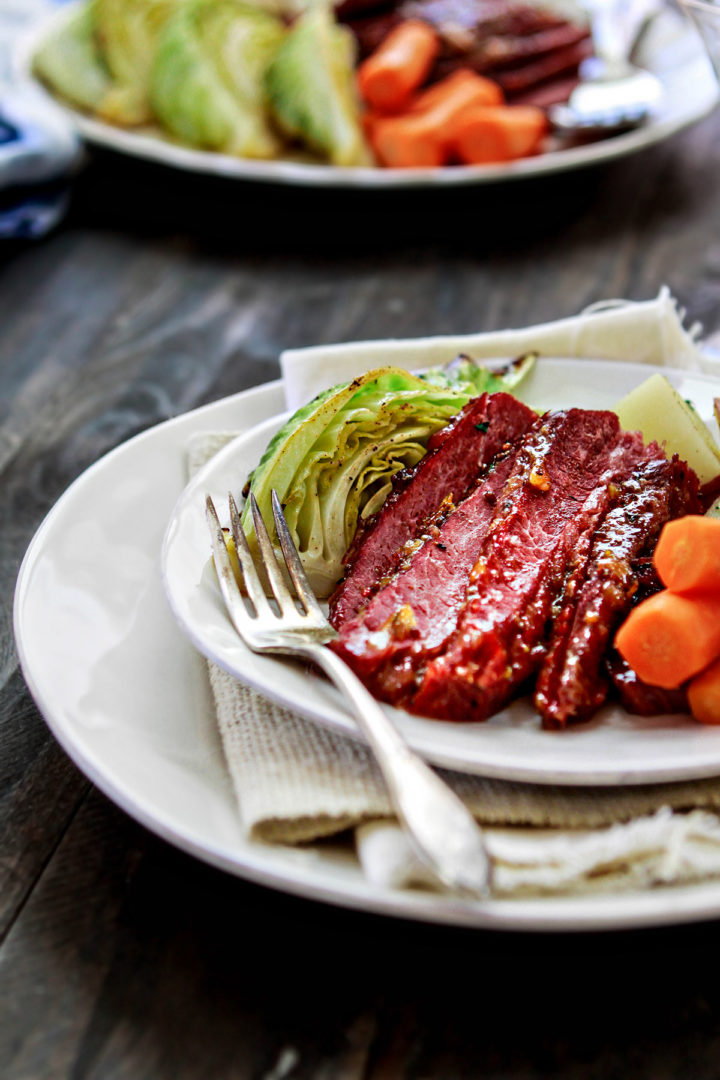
column 571, row 684
column 455, row 456
column 523, row 576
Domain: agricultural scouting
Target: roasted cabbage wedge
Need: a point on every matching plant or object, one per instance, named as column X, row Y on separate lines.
column 207, row 81
column 333, row 462
column 128, row 32
column 311, row 88
column 70, row 63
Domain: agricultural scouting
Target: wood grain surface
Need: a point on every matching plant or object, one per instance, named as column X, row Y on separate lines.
column 120, row 957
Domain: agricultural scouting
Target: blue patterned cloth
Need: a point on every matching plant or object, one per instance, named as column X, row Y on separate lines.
column 38, row 149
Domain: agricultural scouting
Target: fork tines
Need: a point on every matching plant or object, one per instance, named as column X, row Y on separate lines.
column 268, row 563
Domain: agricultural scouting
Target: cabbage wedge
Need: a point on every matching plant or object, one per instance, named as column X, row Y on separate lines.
column 206, row 83
column 128, row 32
column 333, row 462
column 70, row 62
column 311, row 88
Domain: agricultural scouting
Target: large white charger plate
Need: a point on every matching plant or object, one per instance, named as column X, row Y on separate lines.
column 674, row 52
column 614, row 748
column 127, row 696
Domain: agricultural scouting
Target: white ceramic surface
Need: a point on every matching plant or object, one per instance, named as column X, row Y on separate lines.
column 614, row 748
column 127, row 696
column 674, row 52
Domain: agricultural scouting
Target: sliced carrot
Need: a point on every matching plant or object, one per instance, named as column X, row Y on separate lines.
column 669, row 638
column 463, row 85
column 419, row 137
column 406, row 142
column 482, row 135
column 399, row 65
column 704, row 695
column 687, row 555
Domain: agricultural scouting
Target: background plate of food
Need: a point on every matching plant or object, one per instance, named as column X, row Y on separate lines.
column 270, row 94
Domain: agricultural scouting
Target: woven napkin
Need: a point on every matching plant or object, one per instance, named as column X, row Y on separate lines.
column 298, row 782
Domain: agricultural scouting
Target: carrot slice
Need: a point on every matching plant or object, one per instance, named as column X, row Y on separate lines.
column 669, row 638
column 463, row 85
column 687, row 555
column 482, row 135
column 407, row 142
column 419, row 137
column 399, row 65
column 704, row 695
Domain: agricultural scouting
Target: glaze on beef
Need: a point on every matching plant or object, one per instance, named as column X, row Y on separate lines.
column 520, row 571
column 571, row 684
column 530, row 572
column 455, row 457
column 410, row 619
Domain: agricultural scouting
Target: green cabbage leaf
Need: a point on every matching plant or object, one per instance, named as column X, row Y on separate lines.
column 128, row 32
column 70, row 62
column 333, row 461
column 207, row 81
column 311, row 88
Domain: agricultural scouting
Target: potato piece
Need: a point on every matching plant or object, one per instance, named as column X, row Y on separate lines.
column 656, row 409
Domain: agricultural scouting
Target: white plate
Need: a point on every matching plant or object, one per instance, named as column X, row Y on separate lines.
column 674, row 52
column 614, row 748
column 127, row 696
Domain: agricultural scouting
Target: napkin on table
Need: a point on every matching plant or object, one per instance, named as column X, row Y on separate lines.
column 297, row 781
column 39, row 151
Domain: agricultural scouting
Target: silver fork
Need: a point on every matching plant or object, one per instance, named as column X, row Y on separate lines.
column 442, row 831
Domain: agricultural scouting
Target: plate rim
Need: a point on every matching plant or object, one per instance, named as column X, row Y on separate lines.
column 263, row 864
column 336, row 719
column 164, row 151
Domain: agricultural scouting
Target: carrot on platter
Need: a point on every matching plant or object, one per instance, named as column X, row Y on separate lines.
column 398, row 66
column 419, row 137
column 687, row 555
column 704, row 694
column 669, row 638
column 482, row 135
column 463, row 86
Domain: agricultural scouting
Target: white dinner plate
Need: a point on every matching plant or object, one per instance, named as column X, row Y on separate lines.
column 673, row 50
column 127, row 695
column 613, row 748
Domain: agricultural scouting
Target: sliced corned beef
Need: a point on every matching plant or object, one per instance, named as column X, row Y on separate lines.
column 571, row 684
column 410, row 618
column 455, row 457
column 640, row 699
column 557, row 493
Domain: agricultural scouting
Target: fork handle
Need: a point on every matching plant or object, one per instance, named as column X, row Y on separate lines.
column 443, row 832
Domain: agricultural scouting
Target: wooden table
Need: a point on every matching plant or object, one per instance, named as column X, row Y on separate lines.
column 122, row 957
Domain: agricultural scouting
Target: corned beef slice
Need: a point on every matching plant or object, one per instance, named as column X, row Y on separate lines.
column 455, row 457
column 571, row 683
column 556, row 494
column 640, row 699
column 410, row 619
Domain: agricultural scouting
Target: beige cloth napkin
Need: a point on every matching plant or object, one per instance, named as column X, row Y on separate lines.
column 646, row 332
column 296, row 781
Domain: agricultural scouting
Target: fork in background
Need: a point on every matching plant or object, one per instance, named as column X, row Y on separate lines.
column 442, row 831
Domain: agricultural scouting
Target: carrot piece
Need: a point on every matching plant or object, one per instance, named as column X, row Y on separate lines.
column 419, row 137
column 479, row 91
column 687, row 555
column 399, row 65
column 405, row 142
column 481, row 136
column 669, row 638
column 704, row 694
